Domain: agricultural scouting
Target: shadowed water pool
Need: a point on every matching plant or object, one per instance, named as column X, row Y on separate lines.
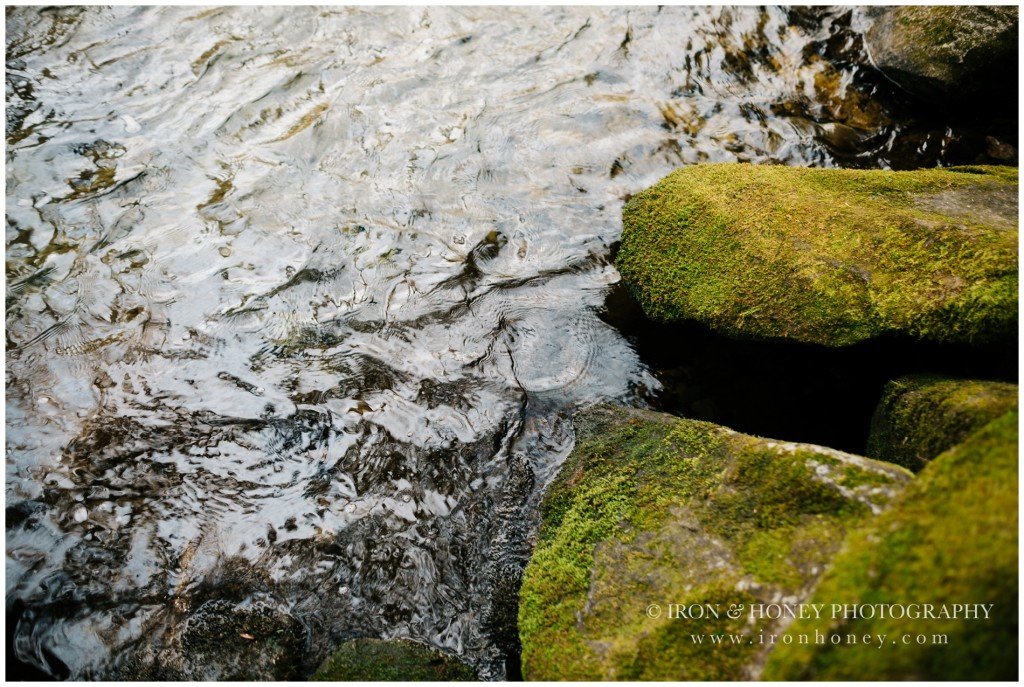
column 299, row 302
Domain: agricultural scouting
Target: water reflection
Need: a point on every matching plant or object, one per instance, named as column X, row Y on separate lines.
column 299, row 301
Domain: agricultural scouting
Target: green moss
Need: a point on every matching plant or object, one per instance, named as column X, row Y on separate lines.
column 919, row 417
column 826, row 256
column 650, row 508
column 391, row 660
column 951, row 537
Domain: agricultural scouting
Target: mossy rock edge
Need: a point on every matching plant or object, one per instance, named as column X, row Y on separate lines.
column 921, row 416
column 654, row 509
column 391, row 660
column 828, row 256
column 950, row 538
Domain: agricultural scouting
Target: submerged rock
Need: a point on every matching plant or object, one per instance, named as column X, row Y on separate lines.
column 391, row 660
column 651, row 510
column 828, row 256
column 223, row 640
column 919, row 417
column 950, row 538
column 951, row 51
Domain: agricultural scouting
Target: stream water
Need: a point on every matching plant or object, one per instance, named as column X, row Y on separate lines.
column 300, row 301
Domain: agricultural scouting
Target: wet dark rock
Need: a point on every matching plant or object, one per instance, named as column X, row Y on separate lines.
column 391, row 660
column 233, row 626
column 946, row 52
column 223, row 640
column 1000, row 150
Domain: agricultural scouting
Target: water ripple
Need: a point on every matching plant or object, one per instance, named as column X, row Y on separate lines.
column 299, row 301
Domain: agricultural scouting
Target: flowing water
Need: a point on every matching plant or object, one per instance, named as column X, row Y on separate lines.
column 300, row 301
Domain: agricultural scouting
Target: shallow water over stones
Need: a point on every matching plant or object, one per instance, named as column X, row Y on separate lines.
column 300, row 300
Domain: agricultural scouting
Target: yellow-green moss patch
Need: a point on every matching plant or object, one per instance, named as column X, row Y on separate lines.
column 391, row 660
column 950, row 538
column 921, row 416
column 827, row 256
column 653, row 509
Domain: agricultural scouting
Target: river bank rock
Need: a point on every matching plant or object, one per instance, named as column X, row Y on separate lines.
column 945, row 52
column 391, row 660
column 651, row 510
column 828, row 256
column 921, row 416
column 950, row 538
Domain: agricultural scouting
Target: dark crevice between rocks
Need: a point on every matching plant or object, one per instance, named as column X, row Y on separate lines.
column 784, row 390
column 926, row 136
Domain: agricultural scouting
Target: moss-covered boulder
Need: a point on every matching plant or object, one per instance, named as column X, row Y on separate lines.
column 921, row 416
column 651, row 510
column 391, row 660
column 947, row 51
column 951, row 538
column 828, row 256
